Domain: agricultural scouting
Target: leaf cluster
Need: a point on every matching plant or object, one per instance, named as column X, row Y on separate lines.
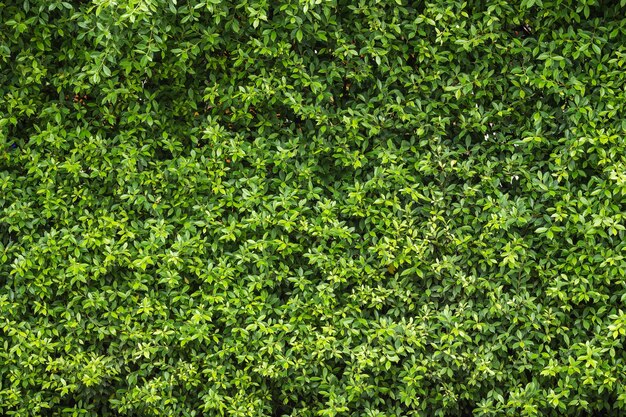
column 312, row 208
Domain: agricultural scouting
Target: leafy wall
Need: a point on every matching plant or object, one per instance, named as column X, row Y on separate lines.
column 312, row 208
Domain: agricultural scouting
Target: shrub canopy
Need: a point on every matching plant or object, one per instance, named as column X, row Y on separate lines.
column 312, row 208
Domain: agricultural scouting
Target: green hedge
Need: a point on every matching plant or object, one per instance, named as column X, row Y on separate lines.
column 312, row 208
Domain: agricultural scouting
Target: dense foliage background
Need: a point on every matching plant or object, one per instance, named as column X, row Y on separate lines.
column 312, row 208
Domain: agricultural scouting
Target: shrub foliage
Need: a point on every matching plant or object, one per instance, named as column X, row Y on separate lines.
column 312, row 208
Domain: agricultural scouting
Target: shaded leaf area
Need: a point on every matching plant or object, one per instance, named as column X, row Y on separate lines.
column 312, row 208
